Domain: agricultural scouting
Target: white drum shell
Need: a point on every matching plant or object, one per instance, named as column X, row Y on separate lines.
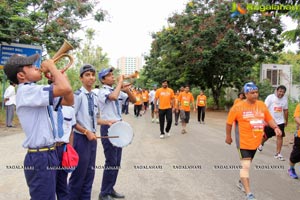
column 124, row 132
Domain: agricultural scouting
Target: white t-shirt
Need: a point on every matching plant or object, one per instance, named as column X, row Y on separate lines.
column 10, row 93
column 152, row 96
column 276, row 107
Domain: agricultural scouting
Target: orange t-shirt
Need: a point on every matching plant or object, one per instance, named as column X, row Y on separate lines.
column 165, row 96
column 237, row 100
column 145, row 96
column 201, row 100
column 138, row 98
column 185, row 100
column 250, row 124
column 297, row 114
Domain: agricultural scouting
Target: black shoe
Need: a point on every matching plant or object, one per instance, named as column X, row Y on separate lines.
column 106, row 197
column 116, row 195
column 176, row 123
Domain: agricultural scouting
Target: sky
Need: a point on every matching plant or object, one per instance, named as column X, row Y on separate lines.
column 127, row 30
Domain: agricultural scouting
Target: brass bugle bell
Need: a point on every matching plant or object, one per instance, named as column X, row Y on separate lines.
column 131, row 77
column 62, row 52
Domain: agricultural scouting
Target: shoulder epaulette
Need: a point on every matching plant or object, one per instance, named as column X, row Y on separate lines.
column 77, row 92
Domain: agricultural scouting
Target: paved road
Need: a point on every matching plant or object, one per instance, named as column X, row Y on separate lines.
column 189, row 166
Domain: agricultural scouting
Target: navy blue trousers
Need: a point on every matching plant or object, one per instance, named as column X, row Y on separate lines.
column 61, row 177
column 40, row 173
column 113, row 157
column 81, row 180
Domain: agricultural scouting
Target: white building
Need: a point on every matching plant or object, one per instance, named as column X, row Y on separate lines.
column 128, row 65
column 280, row 75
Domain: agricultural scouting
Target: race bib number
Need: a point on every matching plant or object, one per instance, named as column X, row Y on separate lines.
column 257, row 125
column 277, row 109
column 186, row 103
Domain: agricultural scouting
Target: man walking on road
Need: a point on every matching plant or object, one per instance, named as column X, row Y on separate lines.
column 278, row 106
column 165, row 96
column 250, row 116
column 295, row 154
column 185, row 100
column 201, row 106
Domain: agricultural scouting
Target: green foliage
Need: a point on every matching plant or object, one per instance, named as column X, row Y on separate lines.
column 45, row 23
column 204, row 47
column 293, row 59
column 265, row 89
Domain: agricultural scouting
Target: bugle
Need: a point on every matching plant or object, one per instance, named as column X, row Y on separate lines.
column 131, row 78
column 62, row 52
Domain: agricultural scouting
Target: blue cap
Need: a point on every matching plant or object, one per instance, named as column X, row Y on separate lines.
column 250, row 86
column 104, row 72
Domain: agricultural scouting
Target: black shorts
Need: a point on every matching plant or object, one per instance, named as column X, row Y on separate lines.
column 146, row 104
column 269, row 132
column 295, row 154
column 152, row 106
column 245, row 153
column 185, row 116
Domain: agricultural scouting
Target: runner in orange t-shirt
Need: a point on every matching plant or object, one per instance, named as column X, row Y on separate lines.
column 241, row 97
column 145, row 96
column 185, row 100
column 138, row 103
column 295, row 154
column 176, row 103
column 165, row 96
column 250, row 117
column 201, row 106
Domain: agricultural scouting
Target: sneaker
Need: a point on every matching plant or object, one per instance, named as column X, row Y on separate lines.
column 183, row 131
column 199, row 122
column 168, row 134
column 240, row 186
column 162, row 136
column 152, row 120
column 203, row 122
column 250, row 196
column 292, row 173
column 157, row 121
column 279, row 157
column 260, row 148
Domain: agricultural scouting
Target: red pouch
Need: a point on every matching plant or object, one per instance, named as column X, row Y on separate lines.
column 70, row 158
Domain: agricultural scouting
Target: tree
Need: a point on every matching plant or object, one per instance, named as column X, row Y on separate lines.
column 45, row 22
column 89, row 54
column 205, row 47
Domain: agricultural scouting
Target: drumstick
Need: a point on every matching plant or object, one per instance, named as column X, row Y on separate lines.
column 107, row 137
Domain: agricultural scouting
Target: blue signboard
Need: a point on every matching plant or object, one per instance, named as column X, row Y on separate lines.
column 7, row 50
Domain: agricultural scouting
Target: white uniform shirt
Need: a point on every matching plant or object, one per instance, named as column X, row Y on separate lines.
column 109, row 110
column 10, row 93
column 32, row 101
column 69, row 123
column 81, row 108
column 276, row 107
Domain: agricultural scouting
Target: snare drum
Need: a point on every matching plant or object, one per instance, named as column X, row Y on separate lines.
column 120, row 134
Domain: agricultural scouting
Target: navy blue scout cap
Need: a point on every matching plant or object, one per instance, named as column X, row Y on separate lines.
column 87, row 67
column 104, row 72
